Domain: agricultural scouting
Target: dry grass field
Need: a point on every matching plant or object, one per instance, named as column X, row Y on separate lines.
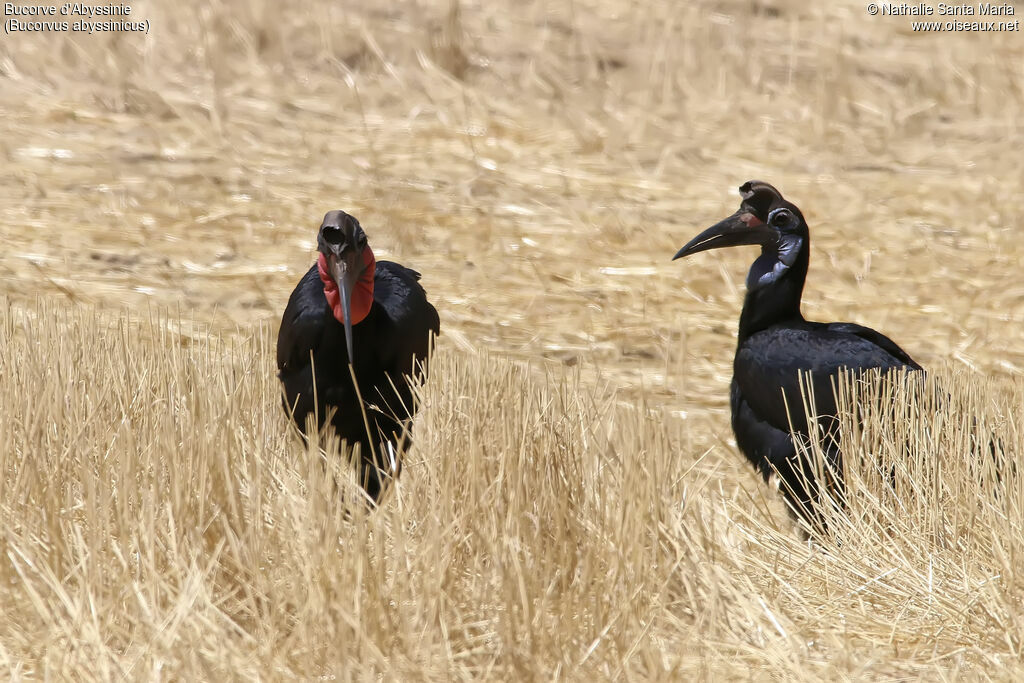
column 575, row 507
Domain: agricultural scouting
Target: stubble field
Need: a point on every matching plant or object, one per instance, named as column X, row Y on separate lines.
column 575, row 507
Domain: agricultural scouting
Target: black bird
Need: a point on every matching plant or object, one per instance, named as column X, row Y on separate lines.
column 351, row 308
column 776, row 344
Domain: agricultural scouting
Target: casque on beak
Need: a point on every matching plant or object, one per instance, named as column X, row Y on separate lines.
column 345, row 271
column 743, row 227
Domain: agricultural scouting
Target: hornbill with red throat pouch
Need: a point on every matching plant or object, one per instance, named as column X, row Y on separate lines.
column 351, row 308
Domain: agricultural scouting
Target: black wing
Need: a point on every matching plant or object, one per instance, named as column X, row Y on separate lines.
column 879, row 340
column 302, row 324
column 768, row 364
column 412, row 320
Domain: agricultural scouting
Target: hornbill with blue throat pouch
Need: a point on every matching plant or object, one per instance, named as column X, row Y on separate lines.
column 778, row 350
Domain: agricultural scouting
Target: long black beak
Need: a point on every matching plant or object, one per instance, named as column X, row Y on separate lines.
column 743, row 227
column 344, row 272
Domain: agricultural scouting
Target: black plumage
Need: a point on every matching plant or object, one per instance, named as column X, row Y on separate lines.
column 389, row 341
column 776, row 344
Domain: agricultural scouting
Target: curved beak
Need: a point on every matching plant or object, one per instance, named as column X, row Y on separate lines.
column 343, row 270
column 743, row 227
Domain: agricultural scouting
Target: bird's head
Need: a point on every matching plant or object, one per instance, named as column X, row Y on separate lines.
column 764, row 218
column 347, row 267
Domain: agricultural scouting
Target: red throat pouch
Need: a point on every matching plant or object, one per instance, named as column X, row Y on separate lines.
column 362, row 294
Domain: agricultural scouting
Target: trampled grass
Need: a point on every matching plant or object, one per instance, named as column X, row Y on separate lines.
column 574, row 507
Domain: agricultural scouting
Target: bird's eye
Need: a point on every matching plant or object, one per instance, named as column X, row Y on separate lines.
column 333, row 235
column 780, row 217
